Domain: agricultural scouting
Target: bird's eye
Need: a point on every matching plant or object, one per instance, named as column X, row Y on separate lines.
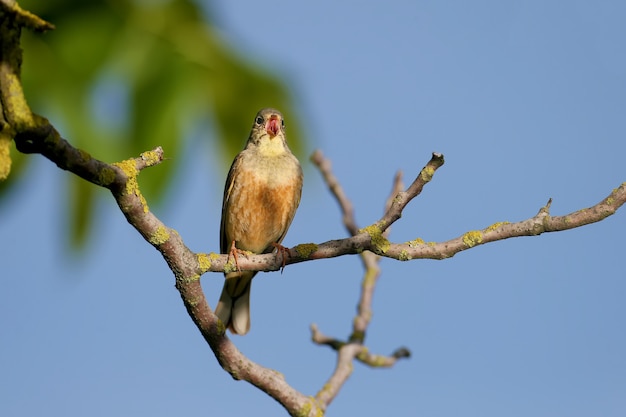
column 282, row 123
column 259, row 120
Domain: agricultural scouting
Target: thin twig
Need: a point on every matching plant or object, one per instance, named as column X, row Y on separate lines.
column 372, row 273
column 353, row 349
column 325, row 167
column 370, row 260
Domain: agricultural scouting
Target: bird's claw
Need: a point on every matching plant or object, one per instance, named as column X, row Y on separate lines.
column 284, row 251
column 234, row 251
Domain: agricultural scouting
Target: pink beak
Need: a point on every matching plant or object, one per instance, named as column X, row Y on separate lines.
column 273, row 126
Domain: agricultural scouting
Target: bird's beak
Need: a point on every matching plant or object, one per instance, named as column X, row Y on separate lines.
column 273, row 126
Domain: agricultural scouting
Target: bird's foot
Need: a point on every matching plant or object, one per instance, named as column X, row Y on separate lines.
column 234, row 252
column 284, row 252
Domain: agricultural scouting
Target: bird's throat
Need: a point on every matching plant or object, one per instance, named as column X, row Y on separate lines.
column 270, row 147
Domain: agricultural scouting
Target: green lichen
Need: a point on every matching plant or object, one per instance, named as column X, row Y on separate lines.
column 363, row 355
column 379, row 242
column 84, row 155
column 359, row 335
column 325, row 388
column 369, row 279
column 160, row 236
column 495, row 226
column 221, row 327
column 106, row 176
column 427, row 174
column 472, row 238
column 305, row 250
column 130, row 170
column 308, row 406
column 404, row 256
column 204, row 261
column 151, row 157
column 132, row 186
column 16, row 108
column 375, row 361
column 144, row 203
column 415, row 242
column 5, row 156
column 181, row 281
column 189, row 280
column 231, row 266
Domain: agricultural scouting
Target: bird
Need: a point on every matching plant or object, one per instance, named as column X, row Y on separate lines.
column 262, row 193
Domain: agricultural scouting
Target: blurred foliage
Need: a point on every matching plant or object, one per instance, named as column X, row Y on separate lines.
column 119, row 77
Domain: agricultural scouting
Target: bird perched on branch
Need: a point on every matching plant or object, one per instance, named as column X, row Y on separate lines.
column 261, row 195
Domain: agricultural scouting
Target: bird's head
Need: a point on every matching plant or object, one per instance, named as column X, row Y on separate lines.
column 269, row 121
column 268, row 133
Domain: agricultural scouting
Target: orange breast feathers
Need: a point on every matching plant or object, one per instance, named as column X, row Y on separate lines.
column 259, row 214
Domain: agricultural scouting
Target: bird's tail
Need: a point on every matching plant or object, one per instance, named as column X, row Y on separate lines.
column 233, row 309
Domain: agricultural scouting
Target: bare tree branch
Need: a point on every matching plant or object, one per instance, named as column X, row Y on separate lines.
column 370, row 260
column 372, row 273
column 345, row 205
column 24, row 18
column 353, row 348
column 372, row 239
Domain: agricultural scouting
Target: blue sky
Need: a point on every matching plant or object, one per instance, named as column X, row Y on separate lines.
column 525, row 99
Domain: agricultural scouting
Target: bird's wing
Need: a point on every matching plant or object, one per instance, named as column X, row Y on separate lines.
column 232, row 177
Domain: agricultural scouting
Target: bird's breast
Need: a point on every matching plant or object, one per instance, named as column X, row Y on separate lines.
column 262, row 202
